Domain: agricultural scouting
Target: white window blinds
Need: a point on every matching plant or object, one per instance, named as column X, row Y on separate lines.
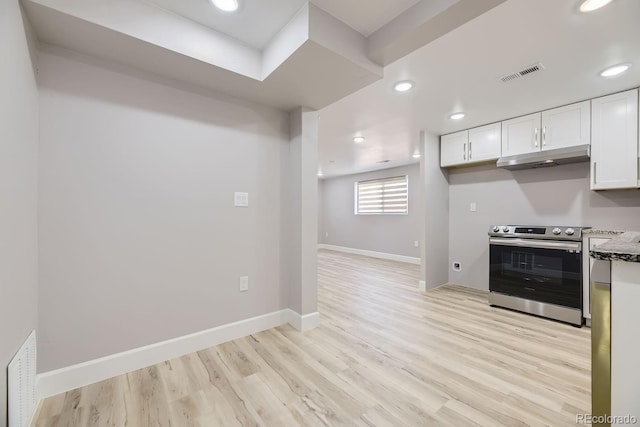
column 382, row 196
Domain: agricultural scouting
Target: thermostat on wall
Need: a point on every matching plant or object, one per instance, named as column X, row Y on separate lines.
column 241, row 199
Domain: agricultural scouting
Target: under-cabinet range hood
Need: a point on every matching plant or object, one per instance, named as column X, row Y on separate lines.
column 546, row 158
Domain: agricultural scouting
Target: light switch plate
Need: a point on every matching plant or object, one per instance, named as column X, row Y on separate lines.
column 473, row 207
column 241, row 199
column 244, row 284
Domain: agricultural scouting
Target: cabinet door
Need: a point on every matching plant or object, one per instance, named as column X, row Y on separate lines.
column 485, row 143
column 586, row 289
column 614, row 141
column 521, row 135
column 566, row 126
column 453, row 148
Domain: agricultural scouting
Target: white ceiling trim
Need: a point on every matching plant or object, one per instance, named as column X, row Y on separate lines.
column 286, row 42
column 255, row 24
column 314, row 60
column 160, row 27
column 405, row 23
column 309, row 28
column 421, row 24
column 297, row 69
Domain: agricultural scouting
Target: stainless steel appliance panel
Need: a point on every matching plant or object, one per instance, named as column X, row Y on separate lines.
column 537, row 270
column 601, row 339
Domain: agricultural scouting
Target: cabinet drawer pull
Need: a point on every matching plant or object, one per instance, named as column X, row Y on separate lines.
column 595, row 164
column 464, row 152
column 469, row 150
column 544, row 136
column 535, row 136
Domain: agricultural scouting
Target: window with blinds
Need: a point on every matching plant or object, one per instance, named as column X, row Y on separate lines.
column 382, row 196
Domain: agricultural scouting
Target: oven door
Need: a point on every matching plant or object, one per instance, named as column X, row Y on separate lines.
column 539, row 270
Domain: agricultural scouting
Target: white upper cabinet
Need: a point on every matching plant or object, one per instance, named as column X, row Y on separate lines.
column 453, row 148
column 614, row 142
column 561, row 127
column 471, row 146
column 484, row 143
column 566, row 126
column 521, row 135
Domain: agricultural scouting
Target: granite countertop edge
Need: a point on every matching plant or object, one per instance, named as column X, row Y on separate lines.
column 602, row 231
column 623, row 247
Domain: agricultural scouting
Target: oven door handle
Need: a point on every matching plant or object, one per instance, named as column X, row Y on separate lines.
column 541, row 244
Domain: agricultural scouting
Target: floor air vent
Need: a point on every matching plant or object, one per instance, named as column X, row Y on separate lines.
column 524, row 72
column 21, row 375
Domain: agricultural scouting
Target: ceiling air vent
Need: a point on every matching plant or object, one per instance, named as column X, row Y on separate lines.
column 524, row 72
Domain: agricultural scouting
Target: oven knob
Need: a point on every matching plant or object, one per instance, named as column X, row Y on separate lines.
column 496, row 229
column 505, row 229
column 569, row 231
column 557, row 231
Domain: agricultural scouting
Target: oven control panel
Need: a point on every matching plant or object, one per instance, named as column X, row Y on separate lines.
column 537, row 232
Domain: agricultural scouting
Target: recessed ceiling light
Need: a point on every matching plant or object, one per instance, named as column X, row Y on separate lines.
column 591, row 5
column 358, row 139
column 226, row 5
column 456, row 116
column 403, row 86
column 416, row 156
column 616, row 70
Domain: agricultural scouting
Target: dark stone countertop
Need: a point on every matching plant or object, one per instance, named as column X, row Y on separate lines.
column 623, row 247
column 590, row 231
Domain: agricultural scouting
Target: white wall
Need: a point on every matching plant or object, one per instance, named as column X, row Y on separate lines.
column 18, row 190
column 393, row 234
column 550, row 196
column 320, row 211
column 140, row 241
column 299, row 219
column 435, row 226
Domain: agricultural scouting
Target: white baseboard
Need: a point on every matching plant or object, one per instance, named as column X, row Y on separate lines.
column 449, row 283
column 304, row 323
column 71, row 377
column 381, row 255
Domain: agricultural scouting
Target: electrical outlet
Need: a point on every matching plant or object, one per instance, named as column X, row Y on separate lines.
column 326, row 234
column 457, row 266
column 416, row 244
column 473, row 207
column 244, row 283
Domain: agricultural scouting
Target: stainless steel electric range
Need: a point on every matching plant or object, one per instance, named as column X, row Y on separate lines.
column 537, row 270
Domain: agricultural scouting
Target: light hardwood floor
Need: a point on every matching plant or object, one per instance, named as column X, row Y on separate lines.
column 384, row 354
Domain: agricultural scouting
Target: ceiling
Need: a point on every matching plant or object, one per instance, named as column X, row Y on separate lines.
column 460, row 72
column 342, row 57
column 260, row 20
column 281, row 53
column 365, row 16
